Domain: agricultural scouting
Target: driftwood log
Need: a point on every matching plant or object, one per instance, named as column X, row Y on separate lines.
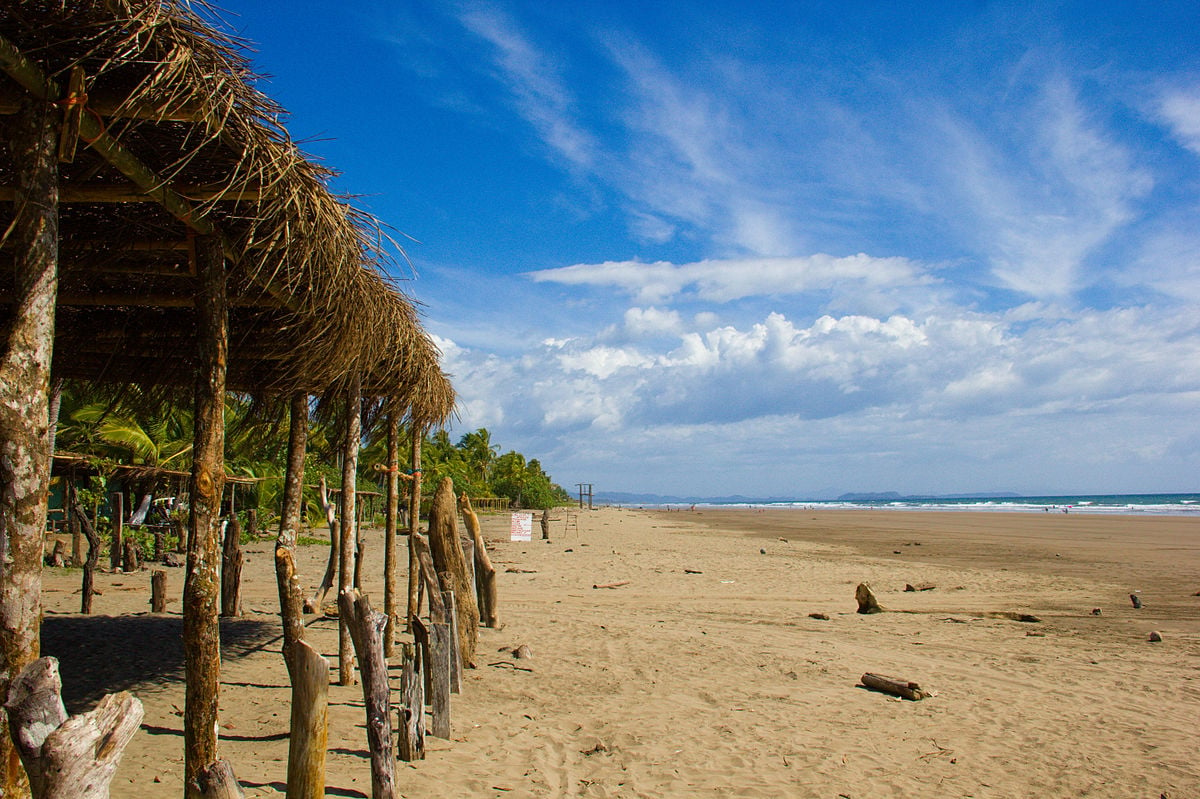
column 366, row 626
column 309, row 722
column 331, row 566
column 427, row 577
column 905, row 689
column 485, row 572
column 67, row 757
column 866, row 599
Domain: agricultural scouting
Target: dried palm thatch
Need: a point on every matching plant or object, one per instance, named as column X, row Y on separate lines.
column 174, row 141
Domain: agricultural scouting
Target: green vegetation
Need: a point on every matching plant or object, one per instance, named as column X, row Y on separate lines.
column 129, row 428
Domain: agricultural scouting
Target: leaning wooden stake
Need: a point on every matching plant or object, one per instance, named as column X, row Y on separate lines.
column 366, row 626
column 68, row 757
column 309, row 722
column 896, row 687
column 93, row 555
column 410, row 743
column 485, row 572
column 448, row 559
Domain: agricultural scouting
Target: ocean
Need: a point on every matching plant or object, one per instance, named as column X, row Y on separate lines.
column 1148, row 504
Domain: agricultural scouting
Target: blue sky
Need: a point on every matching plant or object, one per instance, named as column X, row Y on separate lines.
column 784, row 248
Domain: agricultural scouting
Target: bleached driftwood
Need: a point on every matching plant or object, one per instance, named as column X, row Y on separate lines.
column 906, row 689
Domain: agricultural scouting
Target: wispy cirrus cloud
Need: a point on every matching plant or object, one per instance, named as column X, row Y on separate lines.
column 1180, row 110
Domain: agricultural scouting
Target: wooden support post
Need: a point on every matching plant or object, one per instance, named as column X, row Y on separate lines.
column 160, row 543
column 231, row 569
column 352, row 439
column 366, row 627
column 414, row 518
column 158, row 591
column 309, row 723
column 448, row 559
column 545, row 524
column 428, row 577
column 391, row 603
column 410, row 744
column 201, row 632
column 434, row 641
column 74, row 526
column 288, row 584
column 485, row 572
column 67, row 757
column 118, row 530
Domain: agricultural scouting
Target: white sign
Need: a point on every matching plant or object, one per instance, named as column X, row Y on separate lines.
column 522, row 527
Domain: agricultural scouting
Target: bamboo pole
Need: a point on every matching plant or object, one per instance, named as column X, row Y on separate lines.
column 350, row 445
column 201, row 589
column 24, row 408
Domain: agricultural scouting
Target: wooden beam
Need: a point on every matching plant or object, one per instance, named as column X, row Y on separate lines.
column 108, row 104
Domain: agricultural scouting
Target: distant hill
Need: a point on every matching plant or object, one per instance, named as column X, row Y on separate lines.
column 628, row 498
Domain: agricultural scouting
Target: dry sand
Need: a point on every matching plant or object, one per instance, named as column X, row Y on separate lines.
column 718, row 682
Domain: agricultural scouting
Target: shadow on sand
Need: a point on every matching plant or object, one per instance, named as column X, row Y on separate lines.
column 98, row 655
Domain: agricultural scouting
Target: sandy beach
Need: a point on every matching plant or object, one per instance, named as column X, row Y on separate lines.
column 704, row 674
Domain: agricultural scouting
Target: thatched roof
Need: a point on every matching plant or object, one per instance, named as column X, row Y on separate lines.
column 175, row 140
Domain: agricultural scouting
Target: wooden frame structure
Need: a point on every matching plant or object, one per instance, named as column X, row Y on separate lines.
column 162, row 229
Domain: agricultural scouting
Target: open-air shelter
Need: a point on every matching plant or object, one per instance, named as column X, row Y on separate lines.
column 160, row 228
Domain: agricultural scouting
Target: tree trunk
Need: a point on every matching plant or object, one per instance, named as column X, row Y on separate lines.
column 485, row 572
column 201, row 632
column 414, row 521
column 366, row 627
column 231, row 569
column 24, row 406
column 350, row 446
column 68, row 757
column 391, row 604
column 448, row 558
column 331, row 565
column 309, row 723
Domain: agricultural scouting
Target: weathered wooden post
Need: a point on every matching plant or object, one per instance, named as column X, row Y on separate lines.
column 93, row 555
column 448, row 559
column 485, row 572
column 545, row 524
column 366, row 627
column 410, row 744
column 350, row 444
column 309, row 723
column 231, row 568
column 158, row 591
column 433, row 639
column 201, row 632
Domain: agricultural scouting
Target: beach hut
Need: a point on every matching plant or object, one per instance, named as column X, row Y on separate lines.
column 161, row 228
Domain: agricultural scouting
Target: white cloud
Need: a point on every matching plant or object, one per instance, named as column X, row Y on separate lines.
column 1180, row 109
column 730, row 279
